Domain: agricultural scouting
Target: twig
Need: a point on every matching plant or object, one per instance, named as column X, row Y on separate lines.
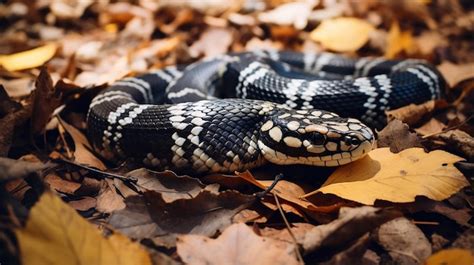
column 270, row 188
column 98, row 172
column 448, row 129
column 287, row 224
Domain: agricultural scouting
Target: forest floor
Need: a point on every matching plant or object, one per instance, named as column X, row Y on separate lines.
column 410, row 201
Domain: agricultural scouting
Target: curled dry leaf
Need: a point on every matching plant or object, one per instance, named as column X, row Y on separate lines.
column 397, row 136
column 412, row 113
column 404, row 241
column 238, row 244
column 56, row 234
column 82, row 153
column 383, row 175
column 66, row 9
column 345, row 34
column 459, row 141
column 28, row 59
column 45, row 99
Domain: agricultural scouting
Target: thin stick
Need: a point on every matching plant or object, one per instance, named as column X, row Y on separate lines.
column 287, row 224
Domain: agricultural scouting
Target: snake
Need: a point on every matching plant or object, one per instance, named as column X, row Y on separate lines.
column 238, row 111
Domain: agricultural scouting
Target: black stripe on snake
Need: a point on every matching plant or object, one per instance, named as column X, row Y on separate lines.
column 239, row 111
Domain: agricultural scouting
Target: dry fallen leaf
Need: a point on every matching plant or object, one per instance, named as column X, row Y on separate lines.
column 382, row 175
column 14, row 169
column 453, row 256
column 238, row 244
column 150, row 215
column 344, row 34
column 455, row 73
column 28, row 59
column 412, row 114
column 397, row 136
column 293, row 13
column 289, row 192
column 399, row 41
column 404, row 241
column 213, row 41
column 82, row 153
column 56, row 234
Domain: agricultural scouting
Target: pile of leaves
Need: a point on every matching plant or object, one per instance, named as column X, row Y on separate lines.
column 410, row 201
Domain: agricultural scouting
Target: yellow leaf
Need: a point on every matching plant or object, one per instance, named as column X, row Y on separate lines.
column 399, row 41
column 454, row 256
column 396, row 177
column 344, row 34
column 28, row 59
column 56, row 234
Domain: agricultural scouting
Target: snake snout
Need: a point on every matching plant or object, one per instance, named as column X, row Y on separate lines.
column 314, row 137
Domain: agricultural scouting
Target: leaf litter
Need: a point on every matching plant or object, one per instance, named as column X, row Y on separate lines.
column 221, row 219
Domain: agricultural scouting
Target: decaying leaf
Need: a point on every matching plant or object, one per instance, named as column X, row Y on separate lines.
column 382, row 175
column 150, row 215
column 459, row 141
column 453, row 256
column 397, row 136
column 455, row 73
column 404, row 241
column 412, row 113
column 45, row 99
column 170, row 185
column 82, row 153
column 345, row 34
column 238, row 244
column 56, row 234
column 28, row 59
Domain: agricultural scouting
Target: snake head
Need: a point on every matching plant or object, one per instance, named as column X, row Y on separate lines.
column 313, row 137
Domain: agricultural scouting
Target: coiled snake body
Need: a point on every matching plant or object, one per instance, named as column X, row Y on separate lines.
column 238, row 111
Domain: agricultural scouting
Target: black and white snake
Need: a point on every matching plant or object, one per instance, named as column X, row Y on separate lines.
column 238, row 111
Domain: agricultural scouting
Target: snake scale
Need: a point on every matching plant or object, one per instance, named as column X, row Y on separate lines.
column 238, row 111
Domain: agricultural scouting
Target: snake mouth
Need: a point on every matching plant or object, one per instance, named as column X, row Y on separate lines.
column 324, row 160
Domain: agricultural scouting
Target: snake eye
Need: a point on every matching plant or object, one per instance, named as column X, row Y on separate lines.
column 318, row 139
column 351, row 140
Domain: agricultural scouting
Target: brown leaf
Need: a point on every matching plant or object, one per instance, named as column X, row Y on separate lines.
column 109, row 201
column 15, row 169
column 150, row 215
column 342, row 232
column 58, row 184
column 83, row 204
column 82, row 153
column 459, row 141
column 399, row 41
column 433, row 126
column 213, row 41
column 412, row 113
column 290, row 192
column 170, row 185
column 294, row 14
column 45, row 99
column 455, row 73
column 397, row 136
column 404, row 241
column 238, row 244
